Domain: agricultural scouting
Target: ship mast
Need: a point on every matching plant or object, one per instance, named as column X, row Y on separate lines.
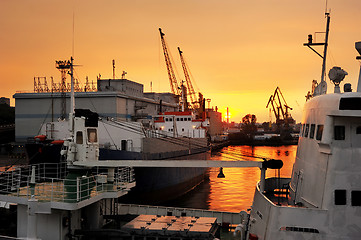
column 325, row 48
column 358, row 48
column 322, row 86
column 72, row 98
column 63, row 67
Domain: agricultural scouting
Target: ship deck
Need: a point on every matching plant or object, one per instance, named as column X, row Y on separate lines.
column 49, row 182
column 279, row 198
column 277, row 191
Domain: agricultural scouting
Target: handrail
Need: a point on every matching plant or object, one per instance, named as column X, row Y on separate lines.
column 54, row 184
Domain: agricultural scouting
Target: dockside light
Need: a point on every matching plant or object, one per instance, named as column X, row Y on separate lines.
column 221, row 174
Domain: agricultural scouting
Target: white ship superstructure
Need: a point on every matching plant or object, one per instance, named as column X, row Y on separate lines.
column 325, row 191
column 182, row 124
column 322, row 199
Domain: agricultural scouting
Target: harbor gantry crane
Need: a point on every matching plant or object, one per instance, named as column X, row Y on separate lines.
column 191, row 93
column 280, row 108
column 172, row 78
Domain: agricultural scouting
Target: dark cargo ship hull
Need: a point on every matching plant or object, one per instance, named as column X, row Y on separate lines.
column 159, row 184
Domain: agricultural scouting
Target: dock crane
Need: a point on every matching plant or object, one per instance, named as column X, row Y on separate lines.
column 172, row 78
column 195, row 103
column 280, row 108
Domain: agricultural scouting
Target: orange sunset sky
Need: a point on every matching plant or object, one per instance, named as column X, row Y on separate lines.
column 238, row 51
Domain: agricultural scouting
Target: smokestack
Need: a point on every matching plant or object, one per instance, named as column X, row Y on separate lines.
column 227, row 115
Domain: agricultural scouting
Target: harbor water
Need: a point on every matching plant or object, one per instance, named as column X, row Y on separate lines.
column 234, row 193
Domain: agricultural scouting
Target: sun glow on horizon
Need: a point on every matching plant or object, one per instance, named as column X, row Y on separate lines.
column 237, row 58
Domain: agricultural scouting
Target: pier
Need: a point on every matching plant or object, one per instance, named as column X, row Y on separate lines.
column 232, row 218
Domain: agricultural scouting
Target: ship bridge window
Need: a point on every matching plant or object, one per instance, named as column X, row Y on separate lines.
column 92, row 135
column 167, row 119
column 350, row 104
column 307, row 129
column 339, row 132
column 319, row 132
column 79, row 137
column 312, row 132
column 123, row 145
column 299, row 229
column 340, row 197
column 358, row 130
column 302, row 128
column 356, row 198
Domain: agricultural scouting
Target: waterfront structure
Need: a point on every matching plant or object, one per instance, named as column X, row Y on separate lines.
column 121, row 99
column 215, row 129
column 126, row 131
column 4, row 100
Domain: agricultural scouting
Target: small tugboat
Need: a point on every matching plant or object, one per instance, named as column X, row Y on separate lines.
column 322, row 199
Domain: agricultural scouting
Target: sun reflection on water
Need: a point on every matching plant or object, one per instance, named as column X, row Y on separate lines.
column 235, row 192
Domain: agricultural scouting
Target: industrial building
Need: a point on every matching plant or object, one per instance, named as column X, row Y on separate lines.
column 4, row 100
column 215, row 122
column 121, row 99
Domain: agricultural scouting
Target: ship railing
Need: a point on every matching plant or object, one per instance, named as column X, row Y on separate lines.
column 277, row 185
column 54, row 183
column 284, row 220
column 276, row 190
column 158, row 134
column 194, row 133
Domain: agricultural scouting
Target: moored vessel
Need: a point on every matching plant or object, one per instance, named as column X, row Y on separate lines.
column 322, row 198
column 124, row 140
